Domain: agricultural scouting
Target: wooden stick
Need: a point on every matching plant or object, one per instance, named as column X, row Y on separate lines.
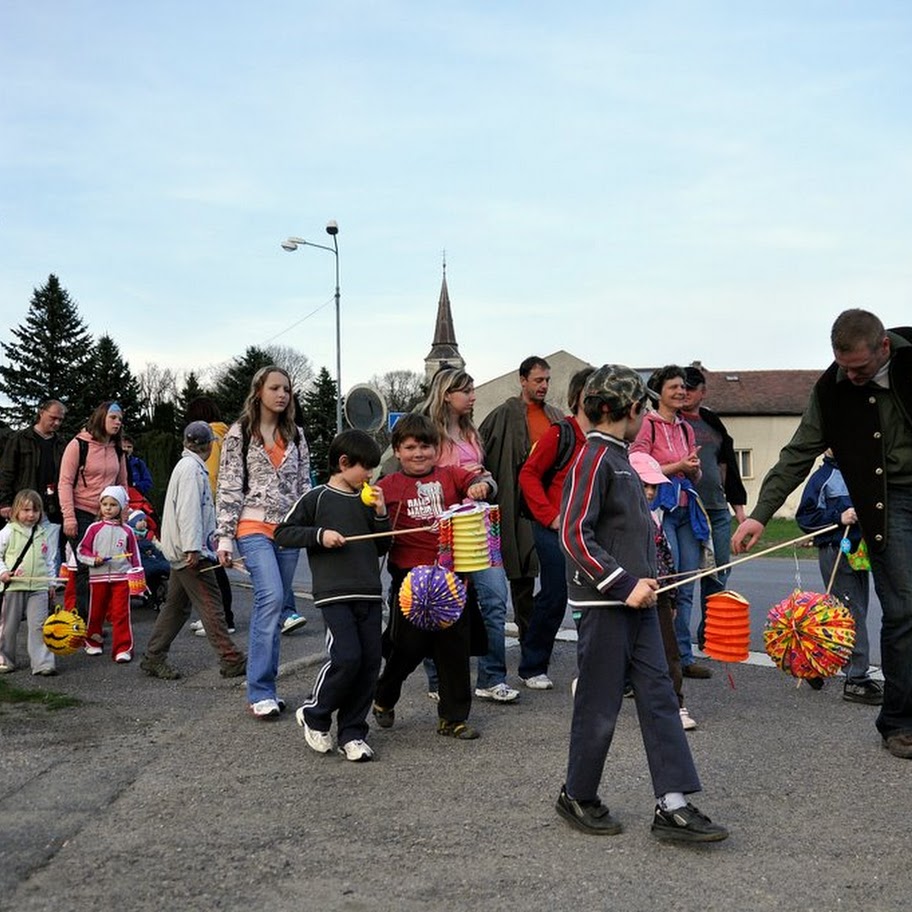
column 748, row 557
column 845, row 533
column 351, row 538
column 37, row 579
column 236, row 560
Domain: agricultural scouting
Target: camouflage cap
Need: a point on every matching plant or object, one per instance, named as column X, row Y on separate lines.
column 617, row 385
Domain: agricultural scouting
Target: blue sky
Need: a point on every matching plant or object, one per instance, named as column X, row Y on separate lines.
column 638, row 182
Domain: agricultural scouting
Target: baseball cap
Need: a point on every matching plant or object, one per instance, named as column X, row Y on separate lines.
column 693, row 377
column 617, row 385
column 198, row 432
column 647, row 468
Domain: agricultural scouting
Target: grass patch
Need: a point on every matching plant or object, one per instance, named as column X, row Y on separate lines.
column 9, row 693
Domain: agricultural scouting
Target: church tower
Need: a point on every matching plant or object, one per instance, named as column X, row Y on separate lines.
column 444, row 350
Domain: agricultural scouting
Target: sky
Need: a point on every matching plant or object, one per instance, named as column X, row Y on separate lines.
column 637, row 182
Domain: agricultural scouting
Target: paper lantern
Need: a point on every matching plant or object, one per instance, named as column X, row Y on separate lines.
column 726, row 632
column 809, row 634
column 136, row 579
column 432, row 597
column 64, row 632
column 469, row 538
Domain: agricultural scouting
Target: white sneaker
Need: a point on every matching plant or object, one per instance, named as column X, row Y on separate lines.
column 292, row 623
column 539, row 682
column 573, row 687
column 499, row 693
column 196, row 627
column 357, row 751
column 93, row 650
column 686, row 719
column 123, row 657
column 265, row 709
column 321, row 742
column 434, row 696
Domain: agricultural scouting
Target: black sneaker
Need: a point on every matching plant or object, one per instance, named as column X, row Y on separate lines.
column 868, row 692
column 686, row 824
column 588, row 816
column 385, row 717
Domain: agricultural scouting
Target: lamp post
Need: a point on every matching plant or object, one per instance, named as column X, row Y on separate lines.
column 291, row 244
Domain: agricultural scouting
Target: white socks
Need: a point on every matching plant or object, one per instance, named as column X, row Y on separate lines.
column 671, row 801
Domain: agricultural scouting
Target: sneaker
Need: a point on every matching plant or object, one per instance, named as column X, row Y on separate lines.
column 123, row 657
column 321, row 742
column 628, row 691
column 687, row 721
column 357, row 751
column 265, row 709
column 686, row 824
column 499, row 693
column 292, row 623
column 461, row 731
column 587, row 816
column 6, row 669
column 93, row 650
column 385, row 717
column 868, row 692
column 538, row 682
column 45, row 672
column 236, row 670
column 196, row 627
column 696, row 671
column 159, row 669
column 573, row 687
column 434, row 696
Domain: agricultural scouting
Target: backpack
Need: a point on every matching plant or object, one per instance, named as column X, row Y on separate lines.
column 566, row 444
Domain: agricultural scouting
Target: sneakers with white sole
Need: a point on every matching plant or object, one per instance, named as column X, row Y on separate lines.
column 292, row 623
column 357, row 751
column 538, row 682
column 196, row 627
column 93, row 650
column 499, row 693
column 123, row 657
column 265, row 709
column 687, row 720
column 321, row 742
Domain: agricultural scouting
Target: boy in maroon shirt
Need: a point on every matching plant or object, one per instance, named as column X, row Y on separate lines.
column 416, row 496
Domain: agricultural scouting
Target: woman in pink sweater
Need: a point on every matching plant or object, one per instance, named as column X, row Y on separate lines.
column 79, row 487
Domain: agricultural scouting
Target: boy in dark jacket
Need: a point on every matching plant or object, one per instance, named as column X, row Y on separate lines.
column 607, row 534
column 346, row 588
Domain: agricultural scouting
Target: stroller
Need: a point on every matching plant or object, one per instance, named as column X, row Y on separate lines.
column 155, row 566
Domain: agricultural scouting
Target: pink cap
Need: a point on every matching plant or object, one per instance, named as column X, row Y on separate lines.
column 647, row 468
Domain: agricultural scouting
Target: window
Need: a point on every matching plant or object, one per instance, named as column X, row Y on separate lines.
column 745, row 463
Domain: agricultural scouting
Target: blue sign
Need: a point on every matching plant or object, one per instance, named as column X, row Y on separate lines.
column 392, row 418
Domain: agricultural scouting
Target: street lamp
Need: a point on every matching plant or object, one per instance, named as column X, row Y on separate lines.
column 292, row 244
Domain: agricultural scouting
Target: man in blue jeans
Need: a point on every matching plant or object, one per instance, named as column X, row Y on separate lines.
column 861, row 408
column 719, row 485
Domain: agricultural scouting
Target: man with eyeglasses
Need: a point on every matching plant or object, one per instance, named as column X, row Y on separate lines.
column 31, row 459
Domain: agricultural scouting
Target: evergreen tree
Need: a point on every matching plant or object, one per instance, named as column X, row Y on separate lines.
column 108, row 376
column 47, row 359
column 233, row 384
column 192, row 389
column 319, row 407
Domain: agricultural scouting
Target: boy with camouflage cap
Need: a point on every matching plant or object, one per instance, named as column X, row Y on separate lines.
column 607, row 534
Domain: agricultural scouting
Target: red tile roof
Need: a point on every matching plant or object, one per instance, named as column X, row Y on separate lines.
column 763, row 392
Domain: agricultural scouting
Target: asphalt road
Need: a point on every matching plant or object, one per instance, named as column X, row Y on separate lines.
column 156, row 794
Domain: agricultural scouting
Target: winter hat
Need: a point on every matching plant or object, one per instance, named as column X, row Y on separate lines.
column 118, row 493
column 135, row 518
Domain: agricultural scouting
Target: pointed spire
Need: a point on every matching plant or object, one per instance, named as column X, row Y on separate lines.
column 444, row 349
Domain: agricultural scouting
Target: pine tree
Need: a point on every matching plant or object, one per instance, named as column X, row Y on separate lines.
column 233, row 384
column 192, row 389
column 108, row 376
column 48, row 358
column 319, row 407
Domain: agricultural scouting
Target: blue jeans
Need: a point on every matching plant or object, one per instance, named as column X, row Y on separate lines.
column 549, row 605
column 271, row 570
column 852, row 588
column 685, row 549
column 892, row 570
column 721, row 531
column 491, row 590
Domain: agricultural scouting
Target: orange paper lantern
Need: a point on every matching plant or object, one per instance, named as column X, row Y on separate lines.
column 727, row 629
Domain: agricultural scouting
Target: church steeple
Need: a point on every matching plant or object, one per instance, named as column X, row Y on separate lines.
column 444, row 349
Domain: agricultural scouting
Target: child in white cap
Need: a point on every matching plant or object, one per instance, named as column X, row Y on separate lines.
column 110, row 550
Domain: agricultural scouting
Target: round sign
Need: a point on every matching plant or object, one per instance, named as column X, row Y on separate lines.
column 365, row 408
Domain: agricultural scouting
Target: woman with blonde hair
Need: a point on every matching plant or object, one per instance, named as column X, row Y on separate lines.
column 449, row 405
column 265, row 468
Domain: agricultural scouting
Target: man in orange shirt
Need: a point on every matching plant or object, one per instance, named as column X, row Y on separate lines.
column 508, row 434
